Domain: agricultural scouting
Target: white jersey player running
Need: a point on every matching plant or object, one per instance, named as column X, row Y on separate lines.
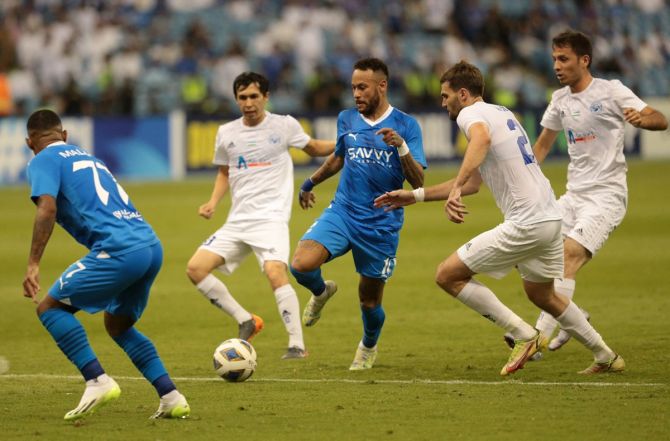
column 593, row 113
column 529, row 238
column 253, row 159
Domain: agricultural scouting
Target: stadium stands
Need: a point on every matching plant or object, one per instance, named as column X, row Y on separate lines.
column 145, row 57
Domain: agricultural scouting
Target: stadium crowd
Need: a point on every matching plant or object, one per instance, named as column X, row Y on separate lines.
column 144, row 57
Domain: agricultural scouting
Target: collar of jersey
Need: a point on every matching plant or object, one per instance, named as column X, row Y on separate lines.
column 381, row 118
column 267, row 116
column 56, row 143
column 593, row 81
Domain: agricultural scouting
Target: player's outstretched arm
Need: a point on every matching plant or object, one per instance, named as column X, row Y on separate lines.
column 319, row 147
column 392, row 200
column 648, row 118
column 330, row 167
column 207, row 209
column 543, row 144
column 401, row 198
column 45, row 218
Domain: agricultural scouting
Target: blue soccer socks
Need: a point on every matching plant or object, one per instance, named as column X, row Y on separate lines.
column 373, row 320
column 144, row 356
column 311, row 280
column 71, row 339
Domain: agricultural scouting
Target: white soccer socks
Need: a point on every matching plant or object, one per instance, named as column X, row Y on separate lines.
column 217, row 293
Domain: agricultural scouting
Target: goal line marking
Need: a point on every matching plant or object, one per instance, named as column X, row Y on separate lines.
column 361, row 381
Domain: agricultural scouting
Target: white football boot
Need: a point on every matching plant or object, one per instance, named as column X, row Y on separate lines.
column 172, row 405
column 99, row 392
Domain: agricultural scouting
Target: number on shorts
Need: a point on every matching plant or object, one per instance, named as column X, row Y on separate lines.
column 521, row 141
column 80, row 267
column 389, row 264
column 103, row 194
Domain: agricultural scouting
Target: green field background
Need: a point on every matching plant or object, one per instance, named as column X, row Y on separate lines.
column 437, row 373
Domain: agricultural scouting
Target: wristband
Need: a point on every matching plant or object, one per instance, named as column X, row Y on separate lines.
column 308, row 185
column 419, row 194
column 403, row 150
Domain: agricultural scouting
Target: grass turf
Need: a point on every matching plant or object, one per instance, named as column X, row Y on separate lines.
column 437, row 371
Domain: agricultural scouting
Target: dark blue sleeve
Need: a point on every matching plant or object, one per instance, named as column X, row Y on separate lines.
column 414, row 141
column 44, row 176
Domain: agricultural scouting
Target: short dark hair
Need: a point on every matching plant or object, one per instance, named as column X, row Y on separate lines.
column 43, row 120
column 578, row 41
column 464, row 75
column 373, row 64
column 245, row 79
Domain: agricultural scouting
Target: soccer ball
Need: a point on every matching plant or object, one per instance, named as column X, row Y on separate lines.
column 235, row 360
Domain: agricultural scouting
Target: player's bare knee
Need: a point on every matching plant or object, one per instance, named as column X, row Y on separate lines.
column 41, row 308
column 302, row 265
column 442, row 278
column 277, row 274
column 195, row 273
column 116, row 325
column 575, row 257
column 369, row 303
column 49, row 302
column 542, row 295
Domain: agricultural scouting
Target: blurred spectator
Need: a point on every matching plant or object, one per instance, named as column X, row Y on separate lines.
column 229, row 66
column 324, row 90
column 145, row 57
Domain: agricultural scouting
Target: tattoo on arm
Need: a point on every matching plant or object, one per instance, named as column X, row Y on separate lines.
column 412, row 170
column 329, row 168
column 45, row 218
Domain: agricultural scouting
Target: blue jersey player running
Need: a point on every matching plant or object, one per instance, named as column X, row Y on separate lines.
column 76, row 190
column 378, row 147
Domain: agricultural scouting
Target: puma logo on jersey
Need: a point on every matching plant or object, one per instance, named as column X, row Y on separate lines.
column 352, row 135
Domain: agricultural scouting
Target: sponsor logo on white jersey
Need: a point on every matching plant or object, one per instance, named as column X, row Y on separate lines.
column 575, row 137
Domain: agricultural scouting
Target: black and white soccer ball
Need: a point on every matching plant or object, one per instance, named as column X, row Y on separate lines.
column 235, row 360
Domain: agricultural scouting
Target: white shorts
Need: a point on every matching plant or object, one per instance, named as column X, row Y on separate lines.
column 536, row 251
column 234, row 241
column 590, row 218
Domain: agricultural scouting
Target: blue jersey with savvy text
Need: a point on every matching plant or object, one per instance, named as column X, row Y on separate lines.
column 91, row 205
column 371, row 167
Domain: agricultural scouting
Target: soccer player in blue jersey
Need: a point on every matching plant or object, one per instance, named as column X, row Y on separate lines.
column 73, row 188
column 378, row 148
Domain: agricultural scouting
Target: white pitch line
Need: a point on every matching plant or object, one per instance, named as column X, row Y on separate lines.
column 370, row 381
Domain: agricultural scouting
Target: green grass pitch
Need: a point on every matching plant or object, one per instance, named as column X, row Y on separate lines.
column 437, row 373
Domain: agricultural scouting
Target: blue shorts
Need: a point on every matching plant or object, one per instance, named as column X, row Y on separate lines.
column 119, row 285
column 373, row 249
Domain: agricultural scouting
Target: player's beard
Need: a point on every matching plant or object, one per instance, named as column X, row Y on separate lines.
column 456, row 110
column 371, row 107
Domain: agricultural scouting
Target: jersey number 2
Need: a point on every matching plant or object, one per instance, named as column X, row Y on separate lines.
column 521, row 141
column 103, row 194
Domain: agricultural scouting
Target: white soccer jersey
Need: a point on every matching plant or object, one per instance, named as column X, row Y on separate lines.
column 510, row 171
column 594, row 127
column 260, row 169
